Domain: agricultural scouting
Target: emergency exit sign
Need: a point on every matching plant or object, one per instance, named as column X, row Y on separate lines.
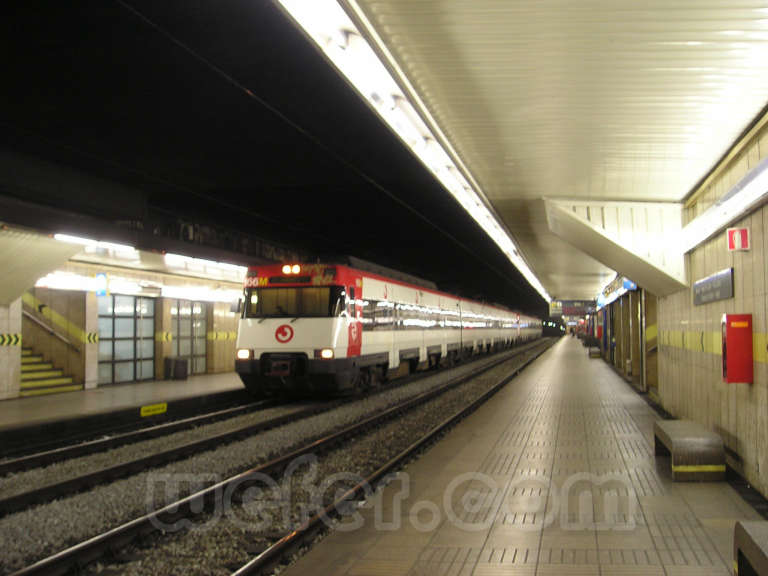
column 738, row 239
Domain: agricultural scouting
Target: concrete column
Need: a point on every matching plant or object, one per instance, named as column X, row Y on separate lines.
column 91, row 349
column 10, row 355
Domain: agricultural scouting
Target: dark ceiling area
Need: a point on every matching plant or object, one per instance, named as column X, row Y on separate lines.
column 225, row 114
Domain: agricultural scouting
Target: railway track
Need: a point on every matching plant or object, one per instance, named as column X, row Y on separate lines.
column 51, row 436
column 111, row 441
column 200, row 503
column 284, row 548
column 23, row 500
column 13, row 501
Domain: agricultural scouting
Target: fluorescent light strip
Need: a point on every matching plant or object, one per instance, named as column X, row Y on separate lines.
column 190, row 264
column 741, row 198
column 60, row 280
column 87, row 242
column 343, row 44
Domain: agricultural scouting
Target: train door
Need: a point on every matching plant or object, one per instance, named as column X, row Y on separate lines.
column 354, row 327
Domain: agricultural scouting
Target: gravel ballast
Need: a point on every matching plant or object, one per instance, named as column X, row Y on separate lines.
column 33, row 534
column 25, row 481
column 220, row 546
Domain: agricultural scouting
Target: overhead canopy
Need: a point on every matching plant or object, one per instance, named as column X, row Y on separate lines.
column 638, row 239
column 594, row 100
column 25, row 257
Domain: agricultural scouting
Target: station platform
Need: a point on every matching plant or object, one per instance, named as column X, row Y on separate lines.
column 57, row 411
column 556, row 474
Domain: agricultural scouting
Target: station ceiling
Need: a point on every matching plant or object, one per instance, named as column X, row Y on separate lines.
column 591, row 100
column 225, row 112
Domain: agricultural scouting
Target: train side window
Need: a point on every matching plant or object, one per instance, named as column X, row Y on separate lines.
column 399, row 317
column 434, row 318
column 369, row 311
column 414, row 315
column 384, row 318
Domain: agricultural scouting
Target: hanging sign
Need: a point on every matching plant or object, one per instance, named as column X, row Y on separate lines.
column 571, row 307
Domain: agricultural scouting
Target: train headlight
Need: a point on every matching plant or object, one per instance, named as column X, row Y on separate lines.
column 287, row 269
column 324, row 353
column 295, row 268
column 243, row 354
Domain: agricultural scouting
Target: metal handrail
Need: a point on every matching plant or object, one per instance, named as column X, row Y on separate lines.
column 50, row 330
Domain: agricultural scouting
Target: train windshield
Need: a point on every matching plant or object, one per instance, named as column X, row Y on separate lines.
column 309, row 301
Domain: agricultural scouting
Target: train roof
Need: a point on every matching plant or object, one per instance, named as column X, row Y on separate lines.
column 365, row 266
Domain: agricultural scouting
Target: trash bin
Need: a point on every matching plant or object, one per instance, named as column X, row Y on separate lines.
column 180, row 369
column 176, row 368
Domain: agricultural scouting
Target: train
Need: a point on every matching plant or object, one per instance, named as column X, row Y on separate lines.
column 335, row 328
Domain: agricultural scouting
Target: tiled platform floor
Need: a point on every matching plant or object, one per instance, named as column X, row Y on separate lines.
column 493, row 497
column 26, row 411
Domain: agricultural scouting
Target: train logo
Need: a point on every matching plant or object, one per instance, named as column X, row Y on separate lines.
column 284, row 334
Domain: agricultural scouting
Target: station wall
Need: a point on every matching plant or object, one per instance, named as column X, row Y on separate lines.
column 689, row 338
column 78, row 317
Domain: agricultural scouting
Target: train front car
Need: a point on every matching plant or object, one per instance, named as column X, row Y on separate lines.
column 298, row 332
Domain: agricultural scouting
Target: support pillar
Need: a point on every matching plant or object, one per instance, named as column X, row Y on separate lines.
column 10, row 350
column 91, row 349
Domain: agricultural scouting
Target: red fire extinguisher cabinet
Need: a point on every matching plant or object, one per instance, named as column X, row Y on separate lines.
column 737, row 348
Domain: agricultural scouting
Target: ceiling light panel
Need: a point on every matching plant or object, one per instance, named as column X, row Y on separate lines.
column 343, row 44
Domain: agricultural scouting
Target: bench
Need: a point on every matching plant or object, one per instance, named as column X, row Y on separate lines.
column 750, row 548
column 696, row 453
column 594, row 352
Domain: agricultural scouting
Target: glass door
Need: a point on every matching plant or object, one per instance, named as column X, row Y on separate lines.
column 189, row 330
column 126, row 338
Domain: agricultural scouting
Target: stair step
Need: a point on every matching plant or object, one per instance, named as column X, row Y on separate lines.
column 62, row 380
column 36, row 367
column 31, row 359
column 26, row 351
column 51, row 390
column 41, row 375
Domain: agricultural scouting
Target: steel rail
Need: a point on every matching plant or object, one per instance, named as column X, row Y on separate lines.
column 43, row 494
column 266, row 561
column 47, row 457
column 24, row 500
column 16, row 443
column 201, row 502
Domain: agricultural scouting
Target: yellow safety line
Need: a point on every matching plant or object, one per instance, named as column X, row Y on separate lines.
column 699, row 468
column 51, row 390
column 40, row 374
column 711, row 343
column 52, row 381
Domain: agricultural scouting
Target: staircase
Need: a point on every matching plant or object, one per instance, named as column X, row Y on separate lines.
column 39, row 377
